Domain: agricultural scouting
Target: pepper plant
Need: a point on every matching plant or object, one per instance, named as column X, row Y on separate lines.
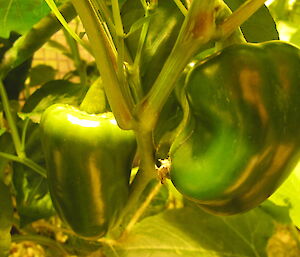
column 181, row 138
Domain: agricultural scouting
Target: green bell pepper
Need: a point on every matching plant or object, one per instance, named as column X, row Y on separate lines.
column 165, row 20
column 88, row 160
column 243, row 138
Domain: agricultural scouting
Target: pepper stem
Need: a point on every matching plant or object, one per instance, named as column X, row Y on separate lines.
column 107, row 61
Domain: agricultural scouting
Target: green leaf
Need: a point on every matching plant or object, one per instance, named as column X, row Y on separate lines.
column 20, row 15
column 288, row 194
column 32, row 194
column 6, row 219
column 15, row 79
column 192, row 232
column 81, row 247
column 41, row 74
column 259, row 27
column 56, row 91
column 278, row 213
column 137, row 25
column 6, row 146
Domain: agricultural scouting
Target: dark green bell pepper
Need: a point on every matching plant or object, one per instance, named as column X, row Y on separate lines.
column 88, row 161
column 165, row 20
column 243, row 138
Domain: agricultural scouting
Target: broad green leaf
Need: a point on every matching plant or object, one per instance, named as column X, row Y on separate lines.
column 6, row 219
column 191, row 232
column 288, row 194
column 15, row 79
column 20, row 15
column 259, row 27
column 32, row 194
column 56, row 91
column 41, row 74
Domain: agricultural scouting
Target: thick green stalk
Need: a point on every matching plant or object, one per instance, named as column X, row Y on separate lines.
column 106, row 60
column 34, row 39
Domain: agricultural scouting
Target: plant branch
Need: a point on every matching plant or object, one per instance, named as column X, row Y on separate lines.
column 25, row 161
column 11, row 121
column 24, row 131
column 143, row 35
column 106, row 60
column 62, row 20
column 181, row 7
column 120, row 44
column 79, row 64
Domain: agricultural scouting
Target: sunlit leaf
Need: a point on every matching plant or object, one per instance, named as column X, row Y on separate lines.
column 20, row 15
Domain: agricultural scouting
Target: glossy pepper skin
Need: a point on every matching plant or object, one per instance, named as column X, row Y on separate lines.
column 88, row 161
column 244, row 133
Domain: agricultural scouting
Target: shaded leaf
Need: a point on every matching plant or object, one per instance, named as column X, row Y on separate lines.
column 6, row 219
column 81, row 247
column 56, row 91
column 15, row 79
column 32, row 194
column 6, row 146
column 278, row 213
column 191, row 232
column 41, row 74
column 259, row 27
column 137, row 25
